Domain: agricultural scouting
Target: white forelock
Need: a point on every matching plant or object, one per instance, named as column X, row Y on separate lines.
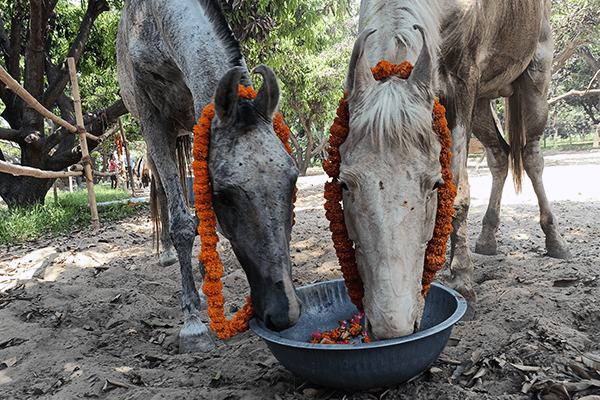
column 396, row 40
column 392, row 115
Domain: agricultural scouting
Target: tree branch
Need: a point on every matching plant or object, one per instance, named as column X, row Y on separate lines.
column 573, row 93
column 10, row 134
column 585, row 53
column 562, row 58
column 95, row 123
column 16, row 27
column 319, row 148
column 59, row 74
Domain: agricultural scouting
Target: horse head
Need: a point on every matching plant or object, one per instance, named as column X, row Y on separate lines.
column 253, row 180
column 390, row 173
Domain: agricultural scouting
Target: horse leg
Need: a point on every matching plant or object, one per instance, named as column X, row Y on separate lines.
column 167, row 255
column 194, row 336
column 535, row 109
column 497, row 150
column 461, row 260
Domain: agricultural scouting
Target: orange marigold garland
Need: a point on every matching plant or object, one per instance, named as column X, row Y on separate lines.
column 207, row 227
column 435, row 255
column 119, row 144
column 344, row 248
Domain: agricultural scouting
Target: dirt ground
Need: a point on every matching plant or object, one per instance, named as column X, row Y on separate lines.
column 93, row 315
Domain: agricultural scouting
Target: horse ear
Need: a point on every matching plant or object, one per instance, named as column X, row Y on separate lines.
column 267, row 98
column 359, row 73
column 421, row 73
column 226, row 94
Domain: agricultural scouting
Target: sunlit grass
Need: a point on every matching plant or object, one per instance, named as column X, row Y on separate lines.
column 71, row 212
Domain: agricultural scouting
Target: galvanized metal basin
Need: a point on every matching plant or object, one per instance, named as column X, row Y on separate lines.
column 362, row 365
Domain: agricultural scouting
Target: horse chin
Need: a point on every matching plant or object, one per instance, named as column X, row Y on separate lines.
column 273, row 295
column 392, row 321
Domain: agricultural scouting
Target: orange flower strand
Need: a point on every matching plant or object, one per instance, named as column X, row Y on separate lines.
column 435, row 255
column 207, row 227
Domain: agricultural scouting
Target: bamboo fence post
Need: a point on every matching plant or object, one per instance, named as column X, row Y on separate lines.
column 55, row 190
column 126, row 145
column 85, row 155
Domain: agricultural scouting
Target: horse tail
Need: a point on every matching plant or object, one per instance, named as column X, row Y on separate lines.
column 184, row 156
column 515, row 126
column 155, row 215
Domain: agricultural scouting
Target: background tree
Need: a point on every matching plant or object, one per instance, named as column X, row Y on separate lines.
column 308, row 45
column 574, row 99
column 36, row 37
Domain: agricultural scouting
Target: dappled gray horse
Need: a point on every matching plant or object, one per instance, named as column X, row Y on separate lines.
column 172, row 57
column 466, row 52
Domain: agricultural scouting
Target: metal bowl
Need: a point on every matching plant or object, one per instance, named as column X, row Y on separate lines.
column 362, row 365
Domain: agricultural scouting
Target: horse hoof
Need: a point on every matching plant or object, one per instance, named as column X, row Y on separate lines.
column 168, row 257
column 194, row 337
column 470, row 296
column 562, row 253
column 486, row 249
column 469, row 314
column 202, row 344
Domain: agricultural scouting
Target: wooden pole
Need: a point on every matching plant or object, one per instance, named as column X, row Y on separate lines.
column 126, row 145
column 37, row 173
column 55, row 190
column 85, row 155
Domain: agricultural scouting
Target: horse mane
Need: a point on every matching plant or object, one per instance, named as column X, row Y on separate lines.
column 217, row 18
column 391, row 115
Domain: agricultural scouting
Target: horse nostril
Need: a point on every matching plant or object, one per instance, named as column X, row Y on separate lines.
column 272, row 325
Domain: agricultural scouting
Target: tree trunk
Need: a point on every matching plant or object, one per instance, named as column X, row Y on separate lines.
column 307, row 125
column 25, row 190
column 46, row 83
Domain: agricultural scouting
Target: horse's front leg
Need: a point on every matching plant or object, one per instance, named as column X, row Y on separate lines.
column 461, row 260
column 497, row 150
column 194, row 336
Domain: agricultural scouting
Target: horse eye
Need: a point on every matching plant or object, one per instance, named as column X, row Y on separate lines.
column 223, row 198
column 436, row 186
column 344, row 186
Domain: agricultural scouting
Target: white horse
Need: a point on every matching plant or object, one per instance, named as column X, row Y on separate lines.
column 173, row 57
column 466, row 52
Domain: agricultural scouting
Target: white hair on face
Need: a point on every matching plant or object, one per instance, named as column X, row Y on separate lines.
column 391, row 115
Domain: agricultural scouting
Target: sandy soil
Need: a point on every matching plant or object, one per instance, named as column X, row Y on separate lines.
column 93, row 315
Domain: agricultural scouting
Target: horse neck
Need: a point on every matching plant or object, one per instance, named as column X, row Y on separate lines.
column 197, row 36
column 395, row 39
